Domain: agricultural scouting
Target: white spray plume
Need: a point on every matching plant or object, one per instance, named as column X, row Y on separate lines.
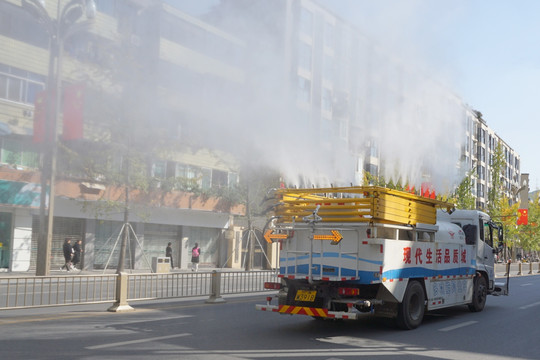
column 416, row 123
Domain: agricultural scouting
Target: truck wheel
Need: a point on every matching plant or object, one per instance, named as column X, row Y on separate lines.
column 411, row 309
column 479, row 294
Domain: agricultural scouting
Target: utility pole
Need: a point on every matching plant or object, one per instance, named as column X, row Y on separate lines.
column 250, row 240
column 125, row 235
column 59, row 28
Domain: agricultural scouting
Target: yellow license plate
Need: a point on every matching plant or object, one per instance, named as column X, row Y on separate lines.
column 305, row 295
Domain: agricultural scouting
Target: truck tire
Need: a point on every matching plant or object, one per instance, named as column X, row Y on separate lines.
column 479, row 294
column 411, row 309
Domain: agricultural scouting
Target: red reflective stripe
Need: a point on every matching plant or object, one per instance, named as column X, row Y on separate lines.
column 302, row 310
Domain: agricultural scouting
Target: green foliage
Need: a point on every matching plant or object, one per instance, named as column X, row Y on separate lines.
column 374, row 180
column 495, row 192
column 508, row 218
column 528, row 235
column 463, row 196
column 255, row 182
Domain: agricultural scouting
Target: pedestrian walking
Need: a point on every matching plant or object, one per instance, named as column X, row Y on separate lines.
column 77, row 250
column 68, row 253
column 195, row 253
column 168, row 253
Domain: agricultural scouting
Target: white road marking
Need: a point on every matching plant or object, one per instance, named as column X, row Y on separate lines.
column 457, row 326
column 122, row 343
column 333, row 353
column 529, row 306
column 145, row 320
column 527, row 284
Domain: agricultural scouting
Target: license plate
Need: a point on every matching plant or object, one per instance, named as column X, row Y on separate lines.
column 305, row 295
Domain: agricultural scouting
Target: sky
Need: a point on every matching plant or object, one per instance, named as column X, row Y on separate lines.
column 486, row 51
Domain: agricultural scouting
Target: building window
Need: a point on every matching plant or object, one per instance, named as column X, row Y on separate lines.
column 328, row 68
column 373, row 149
column 219, row 178
column 187, row 177
column 19, row 85
column 480, row 190
column 14, row 152
column 304, row 90
column 107, row 7
column 372, row 169
column 206, row 179
column 329, row 35
column 18, row 24
column 327, row 100
column 201, row 40
column 159, row 169
column 481, row 172
column 306, row 22
column 233, row 179
column 304, row 56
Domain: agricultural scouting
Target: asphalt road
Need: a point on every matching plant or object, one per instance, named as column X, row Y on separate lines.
column 508, row 328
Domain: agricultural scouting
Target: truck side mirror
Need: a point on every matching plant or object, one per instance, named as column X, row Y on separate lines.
column 500, row 243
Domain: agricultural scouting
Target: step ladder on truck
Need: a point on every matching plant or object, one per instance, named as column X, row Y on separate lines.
column 352, row 250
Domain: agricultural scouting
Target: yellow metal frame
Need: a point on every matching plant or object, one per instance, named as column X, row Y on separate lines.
column 357, row 204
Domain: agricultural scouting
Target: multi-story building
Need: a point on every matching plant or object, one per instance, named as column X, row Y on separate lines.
column 185, row 63
column 365, row 106
column 286, row 83
column 477, row 157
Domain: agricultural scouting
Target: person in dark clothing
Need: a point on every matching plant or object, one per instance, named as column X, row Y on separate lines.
column 68, row 253
column 168, row 253
column 77, row 250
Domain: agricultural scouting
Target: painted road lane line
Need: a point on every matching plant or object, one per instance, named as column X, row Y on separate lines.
column 457, row 326
column 334, row 353
column 122, row 343
column 529, row 306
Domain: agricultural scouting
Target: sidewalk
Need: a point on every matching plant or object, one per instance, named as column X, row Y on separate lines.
column 58, row 272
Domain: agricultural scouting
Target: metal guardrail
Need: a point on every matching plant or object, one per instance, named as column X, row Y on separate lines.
column 26, row 292
column 246, row 282
column 162, row 286
column 519, row 268
column 29, row 291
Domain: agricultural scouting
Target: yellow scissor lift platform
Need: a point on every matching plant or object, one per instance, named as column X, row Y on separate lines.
column 371, row 204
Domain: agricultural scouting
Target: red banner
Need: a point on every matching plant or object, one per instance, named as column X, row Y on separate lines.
column 73, row 112
column 40, row 117
column 523, row 218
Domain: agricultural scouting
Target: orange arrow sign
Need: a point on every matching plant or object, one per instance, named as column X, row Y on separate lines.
column 268, row 236
column 335, row 237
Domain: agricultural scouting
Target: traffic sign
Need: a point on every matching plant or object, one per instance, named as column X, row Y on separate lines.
column 335, row 237
column 268, row 236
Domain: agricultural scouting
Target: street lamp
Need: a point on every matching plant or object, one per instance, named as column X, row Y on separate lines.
column 59, row 28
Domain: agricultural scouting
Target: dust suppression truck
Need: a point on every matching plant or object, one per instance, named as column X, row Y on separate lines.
column 352, row 250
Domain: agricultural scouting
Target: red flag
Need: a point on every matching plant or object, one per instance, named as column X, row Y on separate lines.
column 73, row 112
column 40, row 116
column 523, row 218
column 424, row 189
